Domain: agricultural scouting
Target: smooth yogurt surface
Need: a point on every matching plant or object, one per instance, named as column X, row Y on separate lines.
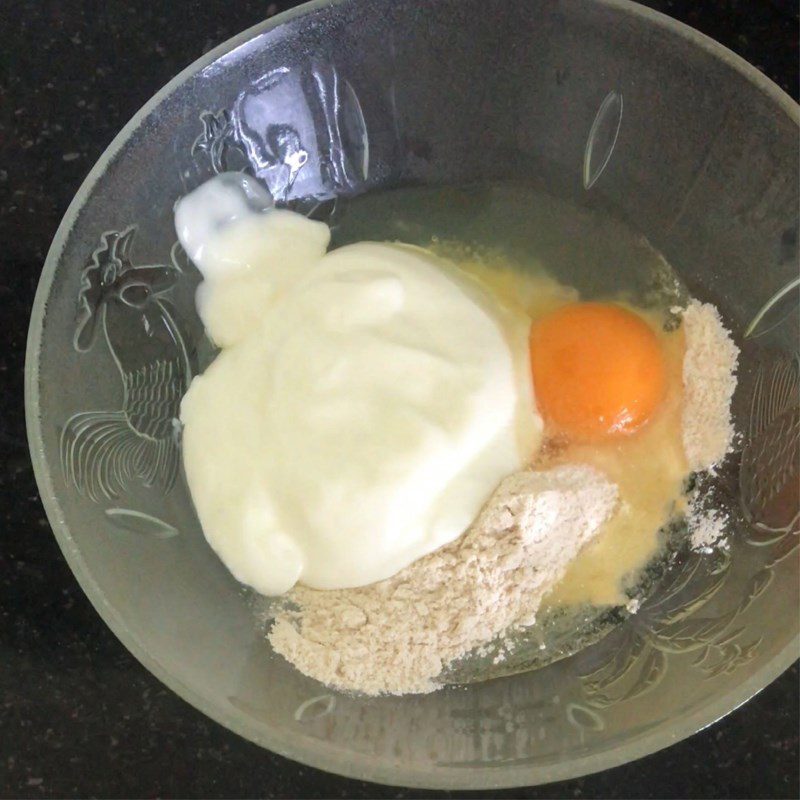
column 365, row 404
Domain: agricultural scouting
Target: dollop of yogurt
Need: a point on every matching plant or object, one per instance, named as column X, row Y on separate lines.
column 366, row 401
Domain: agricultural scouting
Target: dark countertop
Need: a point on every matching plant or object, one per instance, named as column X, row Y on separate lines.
column 81, row 717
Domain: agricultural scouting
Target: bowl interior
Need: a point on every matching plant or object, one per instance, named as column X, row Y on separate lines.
column 605, row 103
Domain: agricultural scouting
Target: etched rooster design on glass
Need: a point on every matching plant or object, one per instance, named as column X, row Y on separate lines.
column 103, row 452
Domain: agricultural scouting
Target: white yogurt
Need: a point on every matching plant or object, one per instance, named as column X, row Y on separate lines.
column 365, row 403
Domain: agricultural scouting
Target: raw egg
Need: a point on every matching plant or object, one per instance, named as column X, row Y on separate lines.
column 598, row 370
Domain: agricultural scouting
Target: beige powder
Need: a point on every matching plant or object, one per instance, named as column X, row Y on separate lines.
column 708, row 528
column 709, row 379
column 396, row 636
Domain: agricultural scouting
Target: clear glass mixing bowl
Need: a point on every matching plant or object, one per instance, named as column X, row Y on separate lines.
column 609, row 104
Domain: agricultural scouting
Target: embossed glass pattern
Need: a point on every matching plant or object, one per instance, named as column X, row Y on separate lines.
column 605, row 102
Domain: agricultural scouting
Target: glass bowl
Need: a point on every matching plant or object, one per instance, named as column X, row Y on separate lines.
column 614, row 105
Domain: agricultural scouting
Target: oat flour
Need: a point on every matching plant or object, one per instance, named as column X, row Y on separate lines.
column 395, row 637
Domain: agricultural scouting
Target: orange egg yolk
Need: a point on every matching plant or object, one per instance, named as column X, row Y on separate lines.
column 598, row 370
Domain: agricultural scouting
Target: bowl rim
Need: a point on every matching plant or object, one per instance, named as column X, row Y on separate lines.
column 325, row 757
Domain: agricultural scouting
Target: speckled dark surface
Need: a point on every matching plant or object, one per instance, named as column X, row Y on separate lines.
column 80, row 716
